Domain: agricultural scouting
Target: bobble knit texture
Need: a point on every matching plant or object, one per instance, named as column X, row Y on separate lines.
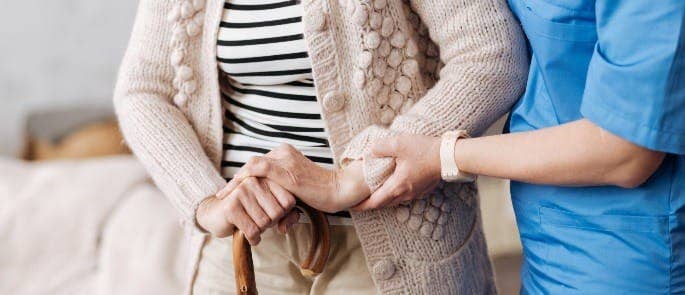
column 381, row 67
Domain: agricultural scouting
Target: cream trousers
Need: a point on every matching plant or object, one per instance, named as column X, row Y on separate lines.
column 276, row 261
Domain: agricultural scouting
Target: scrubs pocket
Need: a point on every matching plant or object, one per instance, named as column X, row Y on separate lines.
column 551, row 20
column 604, row 253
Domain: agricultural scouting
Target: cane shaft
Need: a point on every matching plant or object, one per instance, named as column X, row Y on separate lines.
column 242, row 265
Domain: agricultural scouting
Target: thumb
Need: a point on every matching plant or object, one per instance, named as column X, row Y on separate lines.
column 386, row 147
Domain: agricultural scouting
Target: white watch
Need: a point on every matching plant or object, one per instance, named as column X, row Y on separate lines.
column 448, row 166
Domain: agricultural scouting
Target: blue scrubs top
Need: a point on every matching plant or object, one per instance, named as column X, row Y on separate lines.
column 621, row 65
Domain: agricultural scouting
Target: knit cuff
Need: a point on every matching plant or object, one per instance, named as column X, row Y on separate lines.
column 376, row 170
column 197, row 192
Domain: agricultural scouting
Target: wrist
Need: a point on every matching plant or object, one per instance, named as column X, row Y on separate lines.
column 202, row 213
column 349, row 187
column 434, row 164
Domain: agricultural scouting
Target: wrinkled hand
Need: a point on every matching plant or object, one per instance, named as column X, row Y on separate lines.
column 313, row 184
column 253, row 206
column 417, row 170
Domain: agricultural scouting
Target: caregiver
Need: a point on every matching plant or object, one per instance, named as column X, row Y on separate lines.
column 596, row 154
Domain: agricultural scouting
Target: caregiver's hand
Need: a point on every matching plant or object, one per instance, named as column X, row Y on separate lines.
column 417, row 170
column 252, row 206
column 324, row 189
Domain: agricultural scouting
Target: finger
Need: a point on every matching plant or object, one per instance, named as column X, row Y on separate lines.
column 390, row 190
column 230, row 186
column 284, row 197
column 285, row 224
column 248, row 198
column 268, row 202
column 244, row 222
column 387, row 147
column 267, row 168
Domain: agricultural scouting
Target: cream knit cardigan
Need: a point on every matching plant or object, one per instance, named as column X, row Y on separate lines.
column 380, row 67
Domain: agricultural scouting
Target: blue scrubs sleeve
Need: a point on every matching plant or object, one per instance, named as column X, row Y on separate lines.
column 635, row 85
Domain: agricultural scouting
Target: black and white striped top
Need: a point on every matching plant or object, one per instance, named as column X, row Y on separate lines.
column 268, row 93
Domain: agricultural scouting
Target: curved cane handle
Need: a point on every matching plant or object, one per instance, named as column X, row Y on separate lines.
column 313, row 264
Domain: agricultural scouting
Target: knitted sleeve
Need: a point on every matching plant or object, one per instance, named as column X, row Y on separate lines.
column 155, row 129
column 484, row 52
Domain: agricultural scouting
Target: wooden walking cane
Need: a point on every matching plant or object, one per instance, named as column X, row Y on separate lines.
column 313, row 265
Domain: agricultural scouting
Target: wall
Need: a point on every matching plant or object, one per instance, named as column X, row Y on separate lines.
column 57, row 53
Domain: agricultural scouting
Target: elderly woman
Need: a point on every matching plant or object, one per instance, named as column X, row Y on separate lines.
column 207, row 85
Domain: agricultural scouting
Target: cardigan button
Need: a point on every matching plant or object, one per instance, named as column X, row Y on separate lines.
column 192, row 29
column 384, row 269
column 333, row 101
column 317, row 20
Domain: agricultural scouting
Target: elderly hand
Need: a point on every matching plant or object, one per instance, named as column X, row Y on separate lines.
column 253, row 206
column 324, row 189
column 417, row 170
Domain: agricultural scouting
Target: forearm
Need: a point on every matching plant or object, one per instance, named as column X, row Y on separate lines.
column 576, row 153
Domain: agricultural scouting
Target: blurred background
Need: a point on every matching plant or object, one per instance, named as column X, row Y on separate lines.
column 76, row 212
